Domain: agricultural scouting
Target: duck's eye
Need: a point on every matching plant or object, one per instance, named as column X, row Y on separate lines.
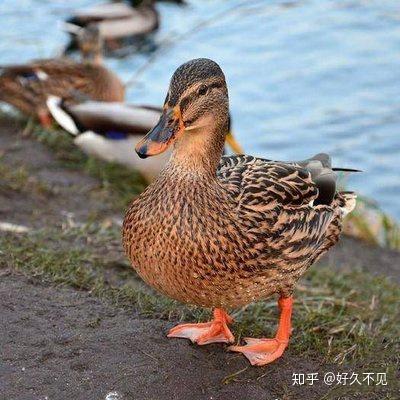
column 202, row 90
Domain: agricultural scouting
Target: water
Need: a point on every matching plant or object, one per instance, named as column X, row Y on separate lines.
column 304, row 76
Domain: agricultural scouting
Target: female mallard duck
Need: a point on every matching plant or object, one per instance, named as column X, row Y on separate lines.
column 225, row 232
column 110, row 131
column 27, row 86
column 116, row 21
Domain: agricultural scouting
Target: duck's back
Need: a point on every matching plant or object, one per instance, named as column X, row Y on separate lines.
column 66, row 77
column 28, row 86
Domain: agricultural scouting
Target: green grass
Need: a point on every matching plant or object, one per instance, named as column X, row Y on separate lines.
column 19, row 180
column 340, row 317
column 13, row 179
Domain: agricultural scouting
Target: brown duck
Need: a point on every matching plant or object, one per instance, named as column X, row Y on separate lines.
column 27, row 86
column 224, row 232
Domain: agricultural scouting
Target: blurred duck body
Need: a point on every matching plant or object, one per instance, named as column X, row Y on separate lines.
column 117, row 21
column 27, row 86
column 111, row 131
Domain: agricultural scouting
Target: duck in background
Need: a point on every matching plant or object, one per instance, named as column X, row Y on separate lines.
column 225, row 232
column 110, row 131
column 27, row 86
column 116, row 21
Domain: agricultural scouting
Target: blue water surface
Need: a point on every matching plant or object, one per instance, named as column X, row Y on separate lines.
column 304, row 76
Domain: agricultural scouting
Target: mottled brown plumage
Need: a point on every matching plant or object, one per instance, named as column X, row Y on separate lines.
column 226, row 232
column 229, row 239
column 27, row 86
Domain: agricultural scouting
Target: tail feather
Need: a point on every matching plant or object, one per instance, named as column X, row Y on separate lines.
column 346, row 170
column 62, row 117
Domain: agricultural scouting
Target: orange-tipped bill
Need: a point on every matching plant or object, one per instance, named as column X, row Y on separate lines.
column 167, row 130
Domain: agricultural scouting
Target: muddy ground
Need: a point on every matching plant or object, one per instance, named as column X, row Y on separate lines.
column 60, row 343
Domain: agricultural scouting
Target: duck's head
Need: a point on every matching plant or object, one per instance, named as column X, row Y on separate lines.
column 196, row 107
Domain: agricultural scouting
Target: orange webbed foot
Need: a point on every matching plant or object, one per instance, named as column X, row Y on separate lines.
column 264, row 351
column 215, row 331
column 261, row 351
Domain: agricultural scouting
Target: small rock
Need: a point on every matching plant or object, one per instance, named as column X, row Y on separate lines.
column 113, row 396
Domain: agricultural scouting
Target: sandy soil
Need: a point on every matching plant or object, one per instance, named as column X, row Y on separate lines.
column 58, row 343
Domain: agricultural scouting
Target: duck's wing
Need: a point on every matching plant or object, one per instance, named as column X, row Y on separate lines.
column 283, row 205
column 52, row 76
column 109, row 119
column 15, row 81
column 323, row 175
column 315, row 172
column 261, row 185
column 63, row 78
column 104, row 116
column 37, row 69
column 23, row 85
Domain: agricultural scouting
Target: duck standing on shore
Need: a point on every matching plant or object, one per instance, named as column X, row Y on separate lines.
column 27, row 86
column 225, row 232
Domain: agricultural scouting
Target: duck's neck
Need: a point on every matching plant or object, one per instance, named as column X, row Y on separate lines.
column 93, row 59
column 198, row 152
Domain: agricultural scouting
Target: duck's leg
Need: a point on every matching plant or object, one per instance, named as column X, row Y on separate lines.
column 44, row 118
column 215, row 331
column 264, row 351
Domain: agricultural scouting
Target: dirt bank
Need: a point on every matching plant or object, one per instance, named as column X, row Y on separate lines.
column 58, row 343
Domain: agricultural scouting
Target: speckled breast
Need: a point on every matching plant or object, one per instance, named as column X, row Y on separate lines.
column 195, row 259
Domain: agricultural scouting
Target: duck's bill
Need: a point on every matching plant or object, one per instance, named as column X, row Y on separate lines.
column 168, row 129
